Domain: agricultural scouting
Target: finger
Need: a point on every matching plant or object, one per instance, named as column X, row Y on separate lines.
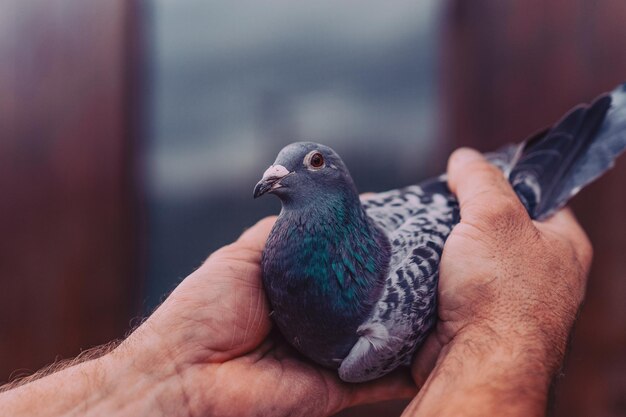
column 480, row 187
column 425, row 359
column 396, row 385
column 366, row 196
column 564, row 223
column 249, row 246
column 254, row 238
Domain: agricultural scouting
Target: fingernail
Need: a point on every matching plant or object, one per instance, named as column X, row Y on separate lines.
column 465, row 155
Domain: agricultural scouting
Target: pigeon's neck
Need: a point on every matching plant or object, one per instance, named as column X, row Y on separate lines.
column 335, row 252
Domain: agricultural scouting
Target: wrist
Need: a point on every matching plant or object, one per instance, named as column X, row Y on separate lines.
column 502, row 372
column 143, row 376
column 532, row 338
column 127, row 387
column 487, row 354
column 108, row 385
column 484, row 371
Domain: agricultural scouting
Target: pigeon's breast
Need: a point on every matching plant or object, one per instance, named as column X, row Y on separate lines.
column 305, row 294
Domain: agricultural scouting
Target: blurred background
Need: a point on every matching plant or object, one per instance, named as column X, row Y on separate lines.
column 133, row 132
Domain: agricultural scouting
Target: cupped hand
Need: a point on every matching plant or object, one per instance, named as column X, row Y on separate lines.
column 213, row 336
column 504, row 278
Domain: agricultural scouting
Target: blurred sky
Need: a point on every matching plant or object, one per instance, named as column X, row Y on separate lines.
column 231, row 83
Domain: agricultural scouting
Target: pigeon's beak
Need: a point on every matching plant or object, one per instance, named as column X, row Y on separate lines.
column 271, row 180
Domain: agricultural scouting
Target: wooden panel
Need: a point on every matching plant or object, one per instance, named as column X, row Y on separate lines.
column 67, row 233
column 511, row 67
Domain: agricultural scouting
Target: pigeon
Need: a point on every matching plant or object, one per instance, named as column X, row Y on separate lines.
column 352, row 283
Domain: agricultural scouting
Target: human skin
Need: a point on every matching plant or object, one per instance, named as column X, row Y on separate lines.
column 229, row 363
column 509, row 291
column 208, row 350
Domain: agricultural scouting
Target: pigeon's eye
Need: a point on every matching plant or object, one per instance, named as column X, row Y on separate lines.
column 317, row 160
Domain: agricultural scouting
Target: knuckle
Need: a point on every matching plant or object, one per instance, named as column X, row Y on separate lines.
column 485, row 171
column 505, row 206
column 505, row 214
column 492, row 170
column 473, row 173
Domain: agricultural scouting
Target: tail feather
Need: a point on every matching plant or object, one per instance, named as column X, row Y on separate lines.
column 552, row 166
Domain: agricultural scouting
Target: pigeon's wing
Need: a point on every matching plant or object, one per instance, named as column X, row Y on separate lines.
column 417, row 220
column 545, row 172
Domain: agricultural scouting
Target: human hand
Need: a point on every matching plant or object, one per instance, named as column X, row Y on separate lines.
column 211, row 337
column 509, row 287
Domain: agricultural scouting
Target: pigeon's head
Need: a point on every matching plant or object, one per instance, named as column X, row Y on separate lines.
column 305, row 172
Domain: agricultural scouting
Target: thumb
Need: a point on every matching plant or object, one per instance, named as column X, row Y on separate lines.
column 254, row 238
column 426, row 357
column 248, row 247
column 481, row 188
